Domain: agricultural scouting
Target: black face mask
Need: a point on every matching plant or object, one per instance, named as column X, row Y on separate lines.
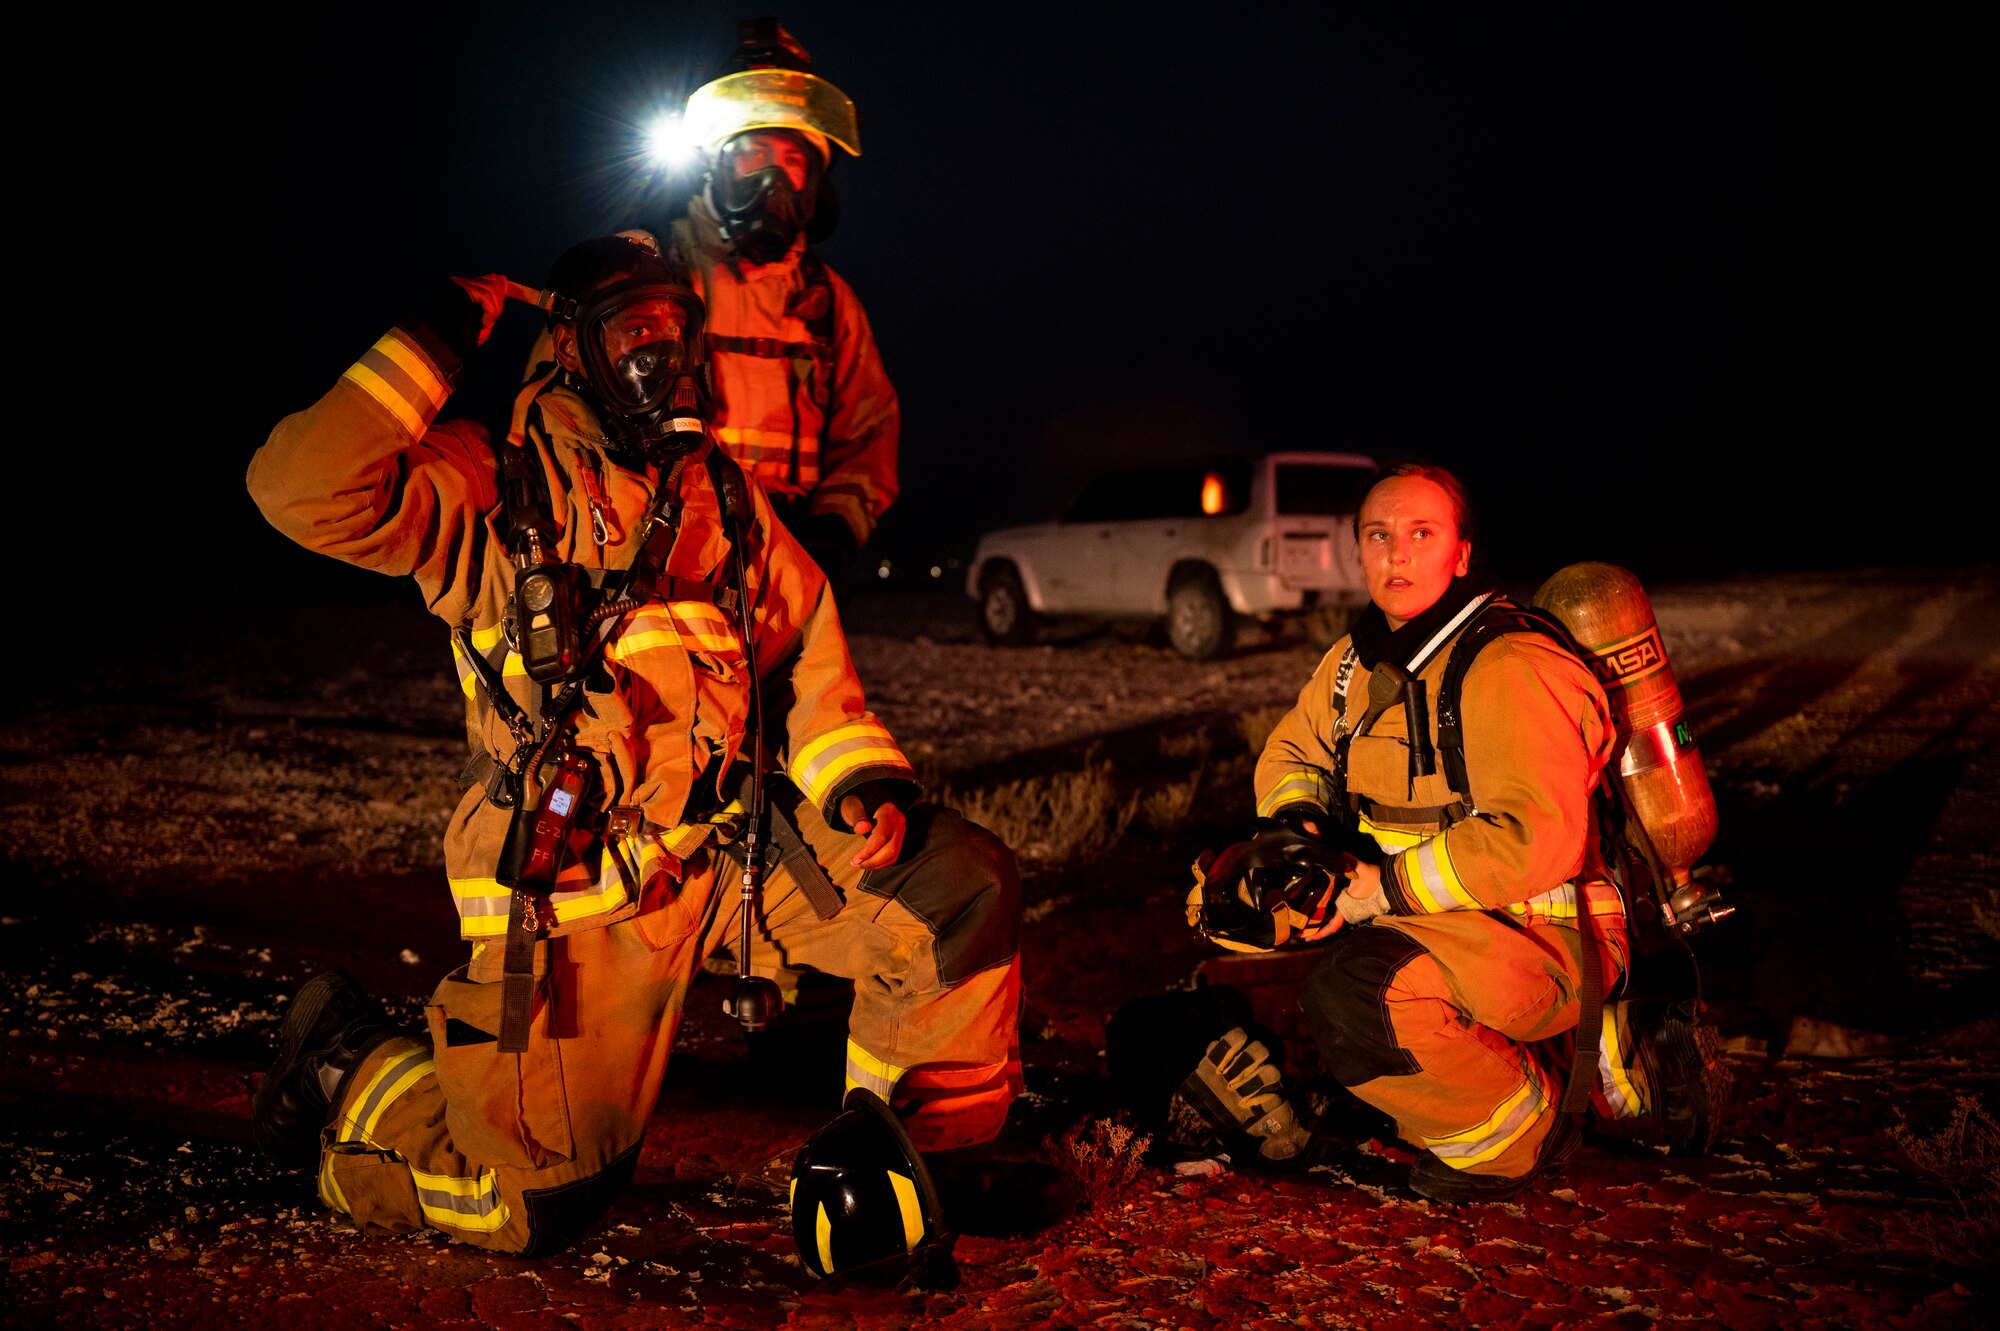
column 762, row 216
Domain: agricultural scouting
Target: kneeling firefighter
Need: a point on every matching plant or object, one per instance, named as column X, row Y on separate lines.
column 660, row 703
column 1433, row 806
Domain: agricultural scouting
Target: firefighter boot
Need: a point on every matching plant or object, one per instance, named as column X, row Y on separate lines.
column 331, row 1026
column 1433, row 1178
column 1687, row 1083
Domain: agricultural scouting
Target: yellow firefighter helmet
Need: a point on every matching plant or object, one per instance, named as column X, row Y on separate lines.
column 770, row 99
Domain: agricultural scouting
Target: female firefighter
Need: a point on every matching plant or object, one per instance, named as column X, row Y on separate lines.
column 624, row 609
column 1457, row 943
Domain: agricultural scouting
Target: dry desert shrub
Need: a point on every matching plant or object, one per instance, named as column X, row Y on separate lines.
column 1167, row 807
column 1964, row 1156
column 1987, row 917
column 1059, row 819
column 1256, row 727
column 1101, row 1156
column 1184, row 744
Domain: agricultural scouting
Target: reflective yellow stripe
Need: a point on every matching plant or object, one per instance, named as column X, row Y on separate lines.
column 482, row 906
column 472, row 1204
column 864, row 1069
column 913, row 1211
column 706, row 627
column 1559, row 903
column 412, row 361
column 645, row 628
column 1624, row 1096
column 329, row 1188
column 1293, row 787
column 823, row 1239
column 582, row 903
column 1415, row 889
column 383, row 392
column 824, row 781
column 1501, row 1129
column 482, row 903
column 821, row 765
column 685, row 839
column 511, row 665
column 748, row 444
column 1389, row 838
column 400, row 1063
column 1429, row 869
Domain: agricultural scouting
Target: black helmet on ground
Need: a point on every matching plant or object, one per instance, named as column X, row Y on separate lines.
column 864, row 1207
column 629, row 325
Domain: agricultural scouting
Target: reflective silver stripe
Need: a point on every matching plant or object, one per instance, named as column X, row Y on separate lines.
column 1443, row 635
column 484, row 1204
column 1438, row 879
column 858, row 1074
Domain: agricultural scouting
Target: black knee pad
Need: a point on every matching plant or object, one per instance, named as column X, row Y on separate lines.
column 961, row 880
column 558, row 1217
column 1346, row 1006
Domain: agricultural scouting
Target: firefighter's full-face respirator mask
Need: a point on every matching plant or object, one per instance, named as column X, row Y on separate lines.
column 639, row 344
column 761, row 209
column 745, row 122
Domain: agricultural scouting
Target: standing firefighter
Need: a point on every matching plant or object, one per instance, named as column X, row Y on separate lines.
column 629, row 621
column 1454, row 747
column 803, row 402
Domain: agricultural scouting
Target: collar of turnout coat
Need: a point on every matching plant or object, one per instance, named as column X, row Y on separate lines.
column 1374, row 642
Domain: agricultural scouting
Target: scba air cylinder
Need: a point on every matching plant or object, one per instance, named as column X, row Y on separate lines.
column 1666, row 788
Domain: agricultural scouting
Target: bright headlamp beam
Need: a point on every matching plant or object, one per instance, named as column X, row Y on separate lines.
column 668, row 144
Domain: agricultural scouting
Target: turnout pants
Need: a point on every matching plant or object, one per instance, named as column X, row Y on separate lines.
column 1449, row 1024
column 525, row 1152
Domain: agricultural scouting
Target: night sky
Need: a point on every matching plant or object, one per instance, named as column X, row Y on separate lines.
column 1646, row 276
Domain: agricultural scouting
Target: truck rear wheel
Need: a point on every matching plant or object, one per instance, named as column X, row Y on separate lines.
column 1005, row 618
column 1200, row 624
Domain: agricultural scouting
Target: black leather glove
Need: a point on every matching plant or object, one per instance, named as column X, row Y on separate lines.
column 456, row 318
column 830, row 542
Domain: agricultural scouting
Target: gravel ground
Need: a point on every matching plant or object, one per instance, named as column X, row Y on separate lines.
column 194, row 827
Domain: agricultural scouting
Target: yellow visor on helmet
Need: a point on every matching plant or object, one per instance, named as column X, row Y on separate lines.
column 770, row 99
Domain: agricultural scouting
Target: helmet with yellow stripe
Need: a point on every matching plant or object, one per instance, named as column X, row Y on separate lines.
column 864, row 1207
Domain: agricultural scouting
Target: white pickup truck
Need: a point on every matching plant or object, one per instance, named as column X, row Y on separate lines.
column 1201, row 544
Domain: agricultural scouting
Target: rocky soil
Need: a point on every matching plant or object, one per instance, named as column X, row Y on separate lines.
column 196, row 824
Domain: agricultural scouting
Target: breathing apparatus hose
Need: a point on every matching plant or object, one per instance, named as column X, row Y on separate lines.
column 753, row 998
